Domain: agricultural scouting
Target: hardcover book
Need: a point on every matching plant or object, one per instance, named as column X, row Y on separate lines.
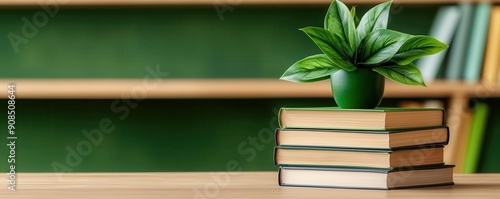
column 361, row 119
column 349, row 157
column 474, row 145
column 366, row 178
column 381, row 139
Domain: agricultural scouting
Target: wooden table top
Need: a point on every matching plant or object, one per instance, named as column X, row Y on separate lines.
column 221, row 185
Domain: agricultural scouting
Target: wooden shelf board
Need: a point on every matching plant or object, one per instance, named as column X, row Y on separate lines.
column 219, row 88
column 207, row 2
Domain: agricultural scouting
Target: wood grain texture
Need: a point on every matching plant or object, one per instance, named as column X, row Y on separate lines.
column 222, row 185
column 221, row 88
column 208, row 2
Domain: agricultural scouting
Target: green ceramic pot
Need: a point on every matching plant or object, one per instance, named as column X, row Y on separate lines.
column 359, row 89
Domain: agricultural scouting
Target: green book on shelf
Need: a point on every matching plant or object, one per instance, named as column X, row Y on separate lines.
column 458, row 47
column 361, row 119
column 356, row 157
column 443, row 29
column 478, row 126
column 474, row 58
column 366, row 178
column 380, row 139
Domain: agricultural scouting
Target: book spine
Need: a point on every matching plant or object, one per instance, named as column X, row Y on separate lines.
column 443, row 29
column 458, row 51
column 279, row 176
column 447, row 136
column 276, row 135
column 274, row 156
column 479, row 120
column 280, row 123
column 477, row 41
column 445, row 117
column 492, row 52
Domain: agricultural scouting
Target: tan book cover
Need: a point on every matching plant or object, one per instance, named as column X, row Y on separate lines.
column 492, row 54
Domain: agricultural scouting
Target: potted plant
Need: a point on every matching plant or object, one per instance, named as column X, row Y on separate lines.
column 358, row 54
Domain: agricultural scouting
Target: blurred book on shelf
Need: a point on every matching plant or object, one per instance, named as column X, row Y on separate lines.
column 474, row 58
column 443, row 29
column 492, row 52
column 472, row 31
column 474, row 145
column 459, row 45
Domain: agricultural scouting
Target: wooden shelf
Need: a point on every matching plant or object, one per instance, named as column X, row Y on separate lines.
column 209, row 2
column 220, row 88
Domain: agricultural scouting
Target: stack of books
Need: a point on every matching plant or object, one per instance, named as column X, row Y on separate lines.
column 383, row 148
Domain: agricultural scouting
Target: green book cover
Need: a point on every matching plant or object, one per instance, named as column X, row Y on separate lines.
column 443, row 29
column 474, row 58
column 478, row 126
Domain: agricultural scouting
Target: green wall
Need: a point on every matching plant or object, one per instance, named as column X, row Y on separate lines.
column 188, row 42
column 156, row 135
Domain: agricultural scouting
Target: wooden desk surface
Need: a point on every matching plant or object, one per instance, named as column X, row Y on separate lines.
column 221, row 185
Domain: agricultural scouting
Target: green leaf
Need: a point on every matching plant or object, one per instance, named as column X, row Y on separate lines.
column 375, row 19
column 355, row 17
column 417, row 47
column 407, row 74
column 380, row 46
column 339, row 21
column 310, row 69
column 336, row 49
